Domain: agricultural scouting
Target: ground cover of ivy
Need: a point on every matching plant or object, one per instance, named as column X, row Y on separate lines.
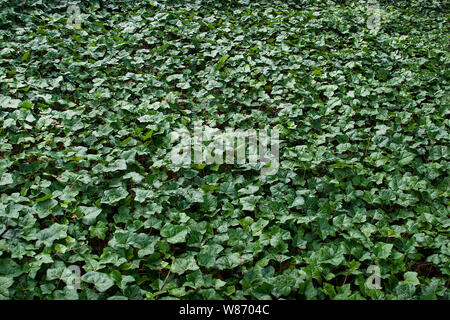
column 86, row 179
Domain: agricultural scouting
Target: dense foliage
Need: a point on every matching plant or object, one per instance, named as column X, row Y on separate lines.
column 86, row 178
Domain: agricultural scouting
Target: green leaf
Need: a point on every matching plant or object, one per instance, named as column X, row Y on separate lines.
column 114, row 195
column 48, row 235
column 382, row 250
column 6, row 179
column 221, row 62
column 101, row 280
column 90, row 214
column 174, row 234
column 25, row 56
column 411, row 278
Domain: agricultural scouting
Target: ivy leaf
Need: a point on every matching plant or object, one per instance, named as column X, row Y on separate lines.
column 114, row 195
column 6, row 179
column 90, row 214
column 410, row 278
column 101, row 280
column 382, row 250
column 49, row 235
column 174, row 233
